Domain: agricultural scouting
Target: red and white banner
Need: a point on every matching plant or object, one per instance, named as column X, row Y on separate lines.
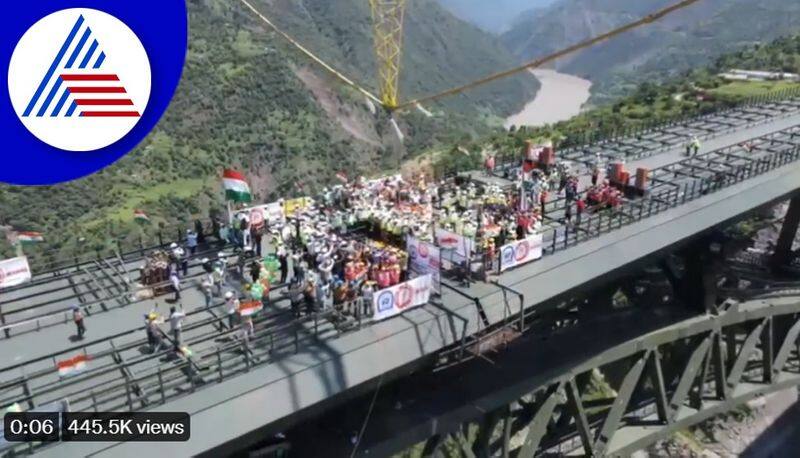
column 72, row 366
column 395, row 300
column 461, row 246
column 260, row 214
column 14, row 271
column 520, row 252
column 423, row 259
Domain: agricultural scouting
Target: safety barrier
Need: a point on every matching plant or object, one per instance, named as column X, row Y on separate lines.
column 595, row 224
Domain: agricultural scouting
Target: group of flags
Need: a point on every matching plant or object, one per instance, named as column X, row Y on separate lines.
column 236, row 189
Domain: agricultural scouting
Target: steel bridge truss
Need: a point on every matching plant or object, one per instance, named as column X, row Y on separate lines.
column 656, row 384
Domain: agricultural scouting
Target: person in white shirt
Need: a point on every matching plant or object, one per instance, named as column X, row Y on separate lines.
column 232, row 307
column 191, row 241
column 176, row 285
column 176, row 323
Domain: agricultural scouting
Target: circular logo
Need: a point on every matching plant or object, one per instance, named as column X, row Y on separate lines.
column 86, row 82
column 385, row 301
column 522, row 250
column 404, row 296
column 508, row 255
column 79, row 79
column 256, row 217
column 423, row 251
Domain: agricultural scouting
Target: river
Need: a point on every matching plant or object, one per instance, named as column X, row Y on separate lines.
column 560, row 98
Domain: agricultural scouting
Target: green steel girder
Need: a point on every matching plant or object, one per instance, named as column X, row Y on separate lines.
column 611, row 423
column 744, row 354
column 538, row 426
column 708, row 385
column 576, row 407
column 656, row 374
column 786, row 348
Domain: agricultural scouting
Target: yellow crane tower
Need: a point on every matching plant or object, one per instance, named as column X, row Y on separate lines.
column 387, row 25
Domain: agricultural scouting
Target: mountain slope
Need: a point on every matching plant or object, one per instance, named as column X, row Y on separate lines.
column 440, row 51
column 693, row 36
column 250, row 102
column 496, row 16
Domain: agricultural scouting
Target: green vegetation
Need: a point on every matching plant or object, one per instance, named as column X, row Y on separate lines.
column 700, row 91
column 249, row 102
column 654, row 53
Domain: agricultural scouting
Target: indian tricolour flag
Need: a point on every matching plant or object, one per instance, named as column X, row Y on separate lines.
column 140, row 217
column 28, row 237
column 236, row 187
column 250, row 307
column 72, row 366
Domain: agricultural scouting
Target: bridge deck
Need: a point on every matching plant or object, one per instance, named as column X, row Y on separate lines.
column 323, row 368
column 320, row 371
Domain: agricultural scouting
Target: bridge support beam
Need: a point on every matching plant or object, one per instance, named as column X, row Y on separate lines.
column 697, row 286
column 783, row 249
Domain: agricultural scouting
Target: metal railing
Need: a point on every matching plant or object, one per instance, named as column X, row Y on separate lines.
column 576, row 143
column 602, row 222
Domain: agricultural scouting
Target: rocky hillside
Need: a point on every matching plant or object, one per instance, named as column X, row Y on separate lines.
column 692, row 37
column 249, row 101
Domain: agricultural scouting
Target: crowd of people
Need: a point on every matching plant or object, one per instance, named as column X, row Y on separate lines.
column 348, row 242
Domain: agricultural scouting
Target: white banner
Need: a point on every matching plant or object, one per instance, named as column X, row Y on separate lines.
column 423, row 259
column 259, row 214
column 14, row 271
column 395, row 300
column 521, row 252
column 459, row 245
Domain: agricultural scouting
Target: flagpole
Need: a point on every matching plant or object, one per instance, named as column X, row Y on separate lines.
column 230, row 213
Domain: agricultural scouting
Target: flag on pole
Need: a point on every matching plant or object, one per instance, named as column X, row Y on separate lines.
column 341, row 176
column 71, row 366
column 29, row 237
column 250, row 307
column 236, row 187
column 141, row 217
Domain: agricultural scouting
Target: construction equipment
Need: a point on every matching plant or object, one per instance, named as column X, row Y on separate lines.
column 387, row 23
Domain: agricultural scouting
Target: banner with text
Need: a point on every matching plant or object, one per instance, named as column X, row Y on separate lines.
column 457, row 247
column 292, row 205
column 260, row 214
column 520, row 252
column 395, row 300
column 423, row 259
column 14, row 271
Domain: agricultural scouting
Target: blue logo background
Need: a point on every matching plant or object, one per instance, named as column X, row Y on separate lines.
column 162, row 27
column 385, row 301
